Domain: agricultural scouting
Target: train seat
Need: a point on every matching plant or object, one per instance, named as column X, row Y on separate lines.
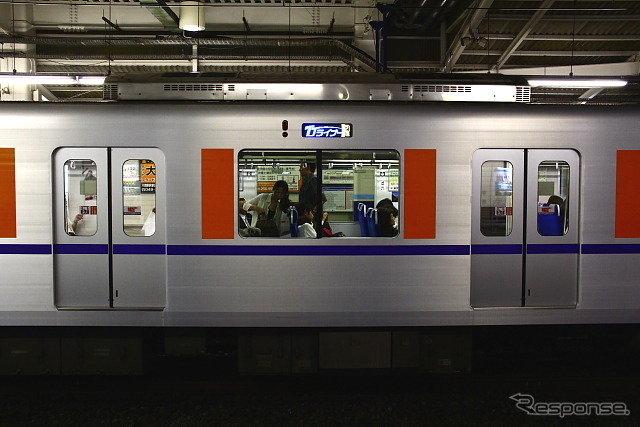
column 362, row 220
column 550, row 220
column 293, row 221
column 372, row 222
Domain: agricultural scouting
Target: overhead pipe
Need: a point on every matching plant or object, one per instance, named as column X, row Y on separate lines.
column 350, row 53
column 380, row 29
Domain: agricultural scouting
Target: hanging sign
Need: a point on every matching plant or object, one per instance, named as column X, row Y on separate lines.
column 147, row 177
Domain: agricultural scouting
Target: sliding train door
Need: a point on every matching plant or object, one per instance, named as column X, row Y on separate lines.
column 524, row 239
column 109, row 228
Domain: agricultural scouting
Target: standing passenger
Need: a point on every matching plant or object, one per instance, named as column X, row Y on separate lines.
column 309, row 189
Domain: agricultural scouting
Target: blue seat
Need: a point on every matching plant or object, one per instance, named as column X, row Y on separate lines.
column 550, row 220
column 293, row 222
column 372, row 222
column 364, row 228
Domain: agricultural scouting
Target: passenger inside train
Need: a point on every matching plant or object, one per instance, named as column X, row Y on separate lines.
column 337, row 185
column 269, row 210
column 305, row 221
column 387, row 214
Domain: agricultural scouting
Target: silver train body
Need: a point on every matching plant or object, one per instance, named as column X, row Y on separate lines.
column 459, row 276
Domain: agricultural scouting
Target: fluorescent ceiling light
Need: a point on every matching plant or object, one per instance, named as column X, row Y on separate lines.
column 37, row 79
column 48, row 79
column 577, row 82
column 91, row 80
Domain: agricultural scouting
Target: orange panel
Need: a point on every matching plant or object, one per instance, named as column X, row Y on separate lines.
column 419, row 195
column 627, row 199
column 8, row 193
column 218, row 195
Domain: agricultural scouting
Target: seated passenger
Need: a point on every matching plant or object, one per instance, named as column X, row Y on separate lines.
column 557, row 200
column 73, row 227
column 326, row 227
column 384, row 202
column 387, row 215
column 305, row 222
column 149, row 226
column 244, row 221
column 270, row 211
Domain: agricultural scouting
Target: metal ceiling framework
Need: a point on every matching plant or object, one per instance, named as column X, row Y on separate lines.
column 527, row 38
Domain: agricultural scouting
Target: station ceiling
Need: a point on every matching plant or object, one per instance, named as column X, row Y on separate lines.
column 526, row 38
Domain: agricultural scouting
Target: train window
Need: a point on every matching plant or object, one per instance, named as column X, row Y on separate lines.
column 270, row 182
column 553, row 197
column 139, row 197
column 370, row 178
column 81, row 197
column 496, row 198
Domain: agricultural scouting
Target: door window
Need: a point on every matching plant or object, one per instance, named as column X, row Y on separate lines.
column 496, row 198
column 553, row 197
column 80, row 197
column 139, row 197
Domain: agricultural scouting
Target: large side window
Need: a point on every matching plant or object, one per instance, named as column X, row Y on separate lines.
column 81, row 197
column 314, row 194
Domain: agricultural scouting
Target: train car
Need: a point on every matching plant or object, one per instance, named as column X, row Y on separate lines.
column 127, row 214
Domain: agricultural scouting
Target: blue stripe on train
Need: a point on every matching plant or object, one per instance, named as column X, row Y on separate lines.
column 103, row 249
column 319, row 250
column 496, row 249
column 76, row 249
column 121, row 249
column 623, row 248
column 80, row 248
column 553, row 248
column 18, row 248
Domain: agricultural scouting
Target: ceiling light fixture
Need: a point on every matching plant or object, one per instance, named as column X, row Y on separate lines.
column 36, row 79
column 49, row 79
column 577, row 82
column 191, row 16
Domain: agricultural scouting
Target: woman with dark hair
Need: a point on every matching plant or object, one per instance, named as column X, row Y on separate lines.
column 387, row 214
column 271, row 208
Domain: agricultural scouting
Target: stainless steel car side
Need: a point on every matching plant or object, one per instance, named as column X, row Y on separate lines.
column 494, row 166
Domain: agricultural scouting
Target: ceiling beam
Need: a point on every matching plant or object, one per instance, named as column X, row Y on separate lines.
column 455, row 47
column 524, row 32
column 44, row 91
column 591, row 93
column 162, row 12
column 566, row 37
column 567, row 53
column 611, row 69
column 589, row 18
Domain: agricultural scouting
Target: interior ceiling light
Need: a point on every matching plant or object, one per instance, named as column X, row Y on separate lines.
column 576, row 82
column 49, row 79
column 191, row 16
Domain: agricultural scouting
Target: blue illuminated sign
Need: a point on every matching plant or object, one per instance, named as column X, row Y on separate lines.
column 326, row 130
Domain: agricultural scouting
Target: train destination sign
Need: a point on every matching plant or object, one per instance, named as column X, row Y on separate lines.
column 326, row 130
